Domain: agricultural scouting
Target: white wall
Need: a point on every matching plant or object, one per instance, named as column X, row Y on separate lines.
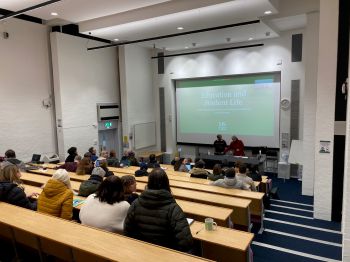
column 241, row 61
column 81, row 80
column 325, row 107
column 137, row 91
column 25, row 80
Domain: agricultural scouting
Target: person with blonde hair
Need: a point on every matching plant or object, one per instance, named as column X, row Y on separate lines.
column 57, row 196
column 11, row 190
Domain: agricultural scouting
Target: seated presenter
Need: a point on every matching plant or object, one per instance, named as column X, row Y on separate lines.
column 236, row 146
column 219, row 145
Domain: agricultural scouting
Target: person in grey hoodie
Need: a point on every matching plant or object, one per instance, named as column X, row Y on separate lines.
column 229, row 181
column 10, row 156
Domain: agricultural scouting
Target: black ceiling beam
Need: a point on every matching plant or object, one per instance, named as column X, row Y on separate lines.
column 22, row 17
column 177, row 34
column 16, row 13
column 208, row 51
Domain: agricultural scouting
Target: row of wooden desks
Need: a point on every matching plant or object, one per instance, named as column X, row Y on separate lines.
column 222, row 244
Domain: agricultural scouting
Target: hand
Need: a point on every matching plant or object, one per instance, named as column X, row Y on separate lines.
column 33, row 195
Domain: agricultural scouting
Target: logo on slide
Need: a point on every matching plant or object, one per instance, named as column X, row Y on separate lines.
column 222, row 126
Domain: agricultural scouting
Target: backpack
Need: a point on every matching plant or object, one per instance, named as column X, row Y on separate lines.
column 88, row 187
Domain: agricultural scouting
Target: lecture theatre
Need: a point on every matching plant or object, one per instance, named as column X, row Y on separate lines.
column 174, row 130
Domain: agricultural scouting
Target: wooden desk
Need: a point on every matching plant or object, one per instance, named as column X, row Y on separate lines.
column 83, row 242
column 233, row 244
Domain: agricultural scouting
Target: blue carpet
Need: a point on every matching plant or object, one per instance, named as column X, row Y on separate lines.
column 275, row 202
column 291, row 211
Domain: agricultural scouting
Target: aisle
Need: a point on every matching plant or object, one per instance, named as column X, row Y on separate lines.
column 292, row 234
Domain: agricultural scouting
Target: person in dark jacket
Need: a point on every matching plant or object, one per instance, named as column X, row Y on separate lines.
column 72, row 153
column 10, row 157
column 217, row 173
column 112, row 160
column 152, row 161
column 142, row 171
column 155, row 217
column 90, row 186
column 102, row 162
column 219, row 145
column 199, row 170
column 132, row 159
column 92, row 151
column 10, row 188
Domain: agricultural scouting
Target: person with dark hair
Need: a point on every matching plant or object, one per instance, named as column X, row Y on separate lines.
column 72, row 153
column 132, row 159
column 85, row 166
column 152, row 161
column 155, row 216
column 229, row 180
column 242, row 177
column 199, row 170
column 106, row 209
column 10, row 157
column 254, row 173
column 219, row 145
column 71, row 166
column 129, row 184
column 11, row 190
column 92, row 151
column 90, row 186
column 175, row 160
column 102, row 162
column 217, row 173
column 142, row 171
column 112, row 160
column 236, row 146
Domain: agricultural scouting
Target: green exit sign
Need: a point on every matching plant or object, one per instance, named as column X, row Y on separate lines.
column 108, row 125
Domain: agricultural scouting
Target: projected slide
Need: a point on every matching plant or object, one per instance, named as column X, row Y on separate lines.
column 246, row 106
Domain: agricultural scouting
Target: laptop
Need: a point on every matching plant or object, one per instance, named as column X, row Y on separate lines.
column 36, row 158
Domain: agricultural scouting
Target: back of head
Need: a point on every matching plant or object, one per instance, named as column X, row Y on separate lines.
column 158, row 179
column 10, row 154
column 242, row 168
column 217, row 170
column 104, row 154
column 112, row 153
column 72, row 150
column 200, row 164
column 178, row 164
column 87, row 154
column 127, row 181
column 92, row 150
column 77, row 158
column 63, row 176
column 152, row 158
column 110, row 190
column 8, row 173
column 230, row 172
column 98, row 171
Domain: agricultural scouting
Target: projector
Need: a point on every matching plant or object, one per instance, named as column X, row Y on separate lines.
column 53, row 159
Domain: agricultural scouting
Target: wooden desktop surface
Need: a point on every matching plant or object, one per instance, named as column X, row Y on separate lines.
column 97, row 242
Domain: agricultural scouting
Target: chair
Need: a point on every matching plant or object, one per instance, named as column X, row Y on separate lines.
column 271, row 163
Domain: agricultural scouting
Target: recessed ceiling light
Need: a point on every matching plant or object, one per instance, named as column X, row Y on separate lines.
column 186, row 47
column 268, row 12
column 250, row 38
column 54, row 14
column 180, row 28
column 116, row 39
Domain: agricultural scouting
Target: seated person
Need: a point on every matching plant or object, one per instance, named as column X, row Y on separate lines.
column 104, row 154
column 112, row 160
column 129, row 184
column 155, row 216
column 106, row 209
column 229, row 180
column 102, row 162
column 10, row 157
column 181, row 165
column 175, row 160
column 85, row 166
column 132, row 159
column 199, row 170
column 11, row 189
column 90, row 186
column 152, row 161
column 217, row 173
column 142, row 171
column 236, row 146
column 93, row 155
column 253, row 173
column 56, row 198
column 72, row 153
column 219, row 145
column 124, row 161
column 242, row 177
column 71, row 166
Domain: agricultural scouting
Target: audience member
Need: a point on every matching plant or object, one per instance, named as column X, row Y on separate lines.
column 102, row 162
column 92, row 151
column 71, row 166
column 10, row 157
column 217, row 173
column 124, row 161
column 254, row 173
column 242, row 177
column 104, row 154
column 129, row 184
column 90, row 186
column 72, row 153
column 183, row 166
column 142, row 171
column 175, row 160
column 132, row 159
column 11, row 190
column 85, row 166
column 107, row 208
column 199, row 170
column 152, row 161
column 156, row 217
column 228, row 181
column 57, row 196
column 112, row 160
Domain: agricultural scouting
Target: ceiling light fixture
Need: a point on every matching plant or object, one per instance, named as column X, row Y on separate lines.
column 268, row 12
column 250, row 38
column 116, row 39
column 186, row 47
column 180, row 28
column 54, row 14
